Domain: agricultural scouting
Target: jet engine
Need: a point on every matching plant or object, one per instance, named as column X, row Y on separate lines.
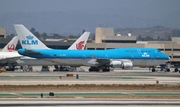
column 116, row 64
column 121, row 64
column 127, row 65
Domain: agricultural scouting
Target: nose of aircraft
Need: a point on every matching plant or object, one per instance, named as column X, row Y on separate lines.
column 166, row 56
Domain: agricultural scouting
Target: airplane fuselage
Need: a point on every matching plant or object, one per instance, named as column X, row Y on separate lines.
column 139, row 56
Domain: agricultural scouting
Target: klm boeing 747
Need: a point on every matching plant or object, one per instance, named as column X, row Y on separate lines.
column 124, row 58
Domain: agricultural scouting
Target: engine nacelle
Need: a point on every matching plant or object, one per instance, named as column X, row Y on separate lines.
column 116, row 64
column 120, row 64
column 127, row 65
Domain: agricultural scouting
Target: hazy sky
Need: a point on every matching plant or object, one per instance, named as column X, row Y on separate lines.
column 92, row 6
column 117, row 13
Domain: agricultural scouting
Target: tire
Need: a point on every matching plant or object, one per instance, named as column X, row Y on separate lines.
column 168, row 70
column 176, row 70
column 97, row 70
column 89, row 70
column 153, row 70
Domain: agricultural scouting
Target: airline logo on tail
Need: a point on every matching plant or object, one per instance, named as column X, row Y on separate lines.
column 11, row 47
column 80, row 45
column 29, row 41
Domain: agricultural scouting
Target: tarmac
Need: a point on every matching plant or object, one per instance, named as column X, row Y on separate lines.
column 135, row 76
column 138, row 76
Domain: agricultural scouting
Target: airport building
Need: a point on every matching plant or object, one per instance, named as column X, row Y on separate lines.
column 2, row 32
column 105, row 38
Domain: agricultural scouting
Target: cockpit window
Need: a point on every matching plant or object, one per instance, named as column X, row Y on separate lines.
column 157, row 50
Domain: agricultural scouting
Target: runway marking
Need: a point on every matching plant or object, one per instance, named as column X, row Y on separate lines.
column 90, row 94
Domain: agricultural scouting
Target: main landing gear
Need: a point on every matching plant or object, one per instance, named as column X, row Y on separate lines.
column 153, row 69
column 10, row 68
column 93, row 69
column 97, row 69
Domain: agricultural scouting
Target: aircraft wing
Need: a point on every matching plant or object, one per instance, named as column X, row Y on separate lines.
column 99, row 62
column 102, row 62
column 9, row 59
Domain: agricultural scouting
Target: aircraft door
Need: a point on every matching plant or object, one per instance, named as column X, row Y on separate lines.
column 139, row 51
column 152, row 57
column 106, row 56
column 84, row 56
column 132, row 57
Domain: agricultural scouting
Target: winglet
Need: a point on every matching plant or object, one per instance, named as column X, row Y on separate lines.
column 11, row 46
column 27, row 39
column 80, row 43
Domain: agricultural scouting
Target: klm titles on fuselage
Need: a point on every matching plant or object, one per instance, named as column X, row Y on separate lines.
column 29, row 41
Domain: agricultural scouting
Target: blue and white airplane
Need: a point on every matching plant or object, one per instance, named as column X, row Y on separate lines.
column 124, row 58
